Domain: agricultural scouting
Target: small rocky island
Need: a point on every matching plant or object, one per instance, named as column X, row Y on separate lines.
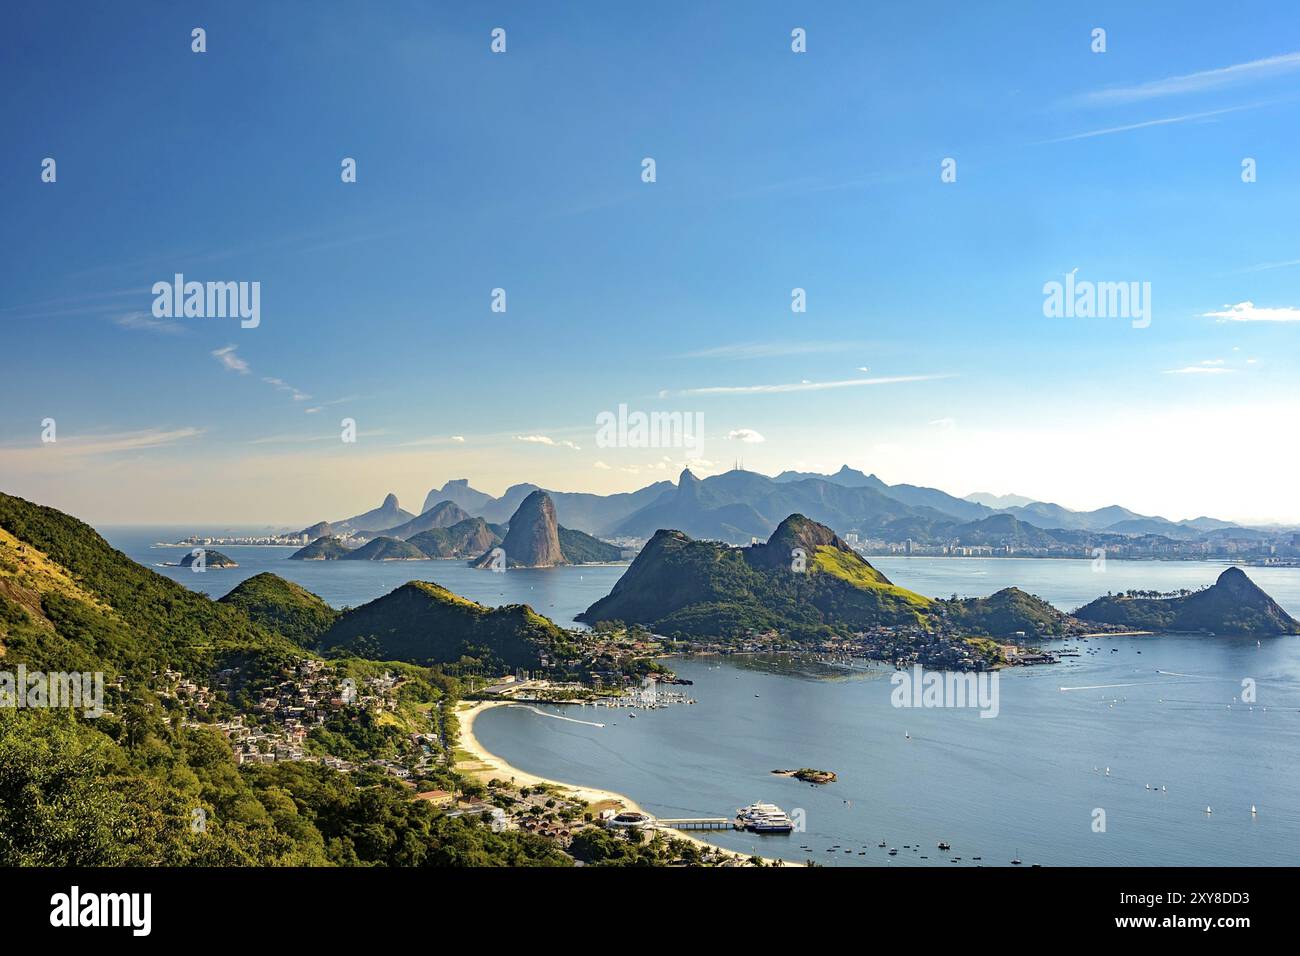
column 211, row 559
column 809, row 775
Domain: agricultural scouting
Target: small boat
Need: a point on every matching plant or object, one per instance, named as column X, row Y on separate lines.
column 893, row 851
column 1253, row 811
column 944, row 845
column 1208, row 810
column 1015, row 860
column 881, row 844
column 631, row 716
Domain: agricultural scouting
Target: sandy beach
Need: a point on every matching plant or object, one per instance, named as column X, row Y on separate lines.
column 484, row 766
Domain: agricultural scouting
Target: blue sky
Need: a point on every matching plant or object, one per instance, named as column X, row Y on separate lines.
column 522, row 171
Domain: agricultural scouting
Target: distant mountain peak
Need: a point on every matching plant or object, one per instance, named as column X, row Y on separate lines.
column 533, row 539
column 390, row 501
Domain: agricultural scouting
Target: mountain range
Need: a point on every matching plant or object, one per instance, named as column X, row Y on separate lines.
column 532, row 538
column 739, row 506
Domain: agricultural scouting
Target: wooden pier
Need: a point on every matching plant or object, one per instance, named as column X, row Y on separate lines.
column 696, row 823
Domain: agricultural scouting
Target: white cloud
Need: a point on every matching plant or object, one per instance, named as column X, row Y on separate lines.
column 1249, row 312
column 601, row 465
column 747, row 435
column 944, row 423
column 144, row 322
column 806, row 386
column 1196, row 82
column 547, row 440
column 1199, row 370
column 230, row 360
column 109, row 443
column 282, row 385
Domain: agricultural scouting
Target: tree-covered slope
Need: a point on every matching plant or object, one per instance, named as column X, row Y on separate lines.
column 1006, row 613
column 1232, row 605
column 70, row 601
column 283, row 607
column 386, row 549
column 579, row 547
column 425, row 623
column 804, row 581
column 465, row 539
column 322, row 549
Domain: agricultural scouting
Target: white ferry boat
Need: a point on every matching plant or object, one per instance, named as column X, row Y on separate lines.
column 764, row 818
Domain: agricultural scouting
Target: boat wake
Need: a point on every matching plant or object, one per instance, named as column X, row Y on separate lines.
column 572, row 720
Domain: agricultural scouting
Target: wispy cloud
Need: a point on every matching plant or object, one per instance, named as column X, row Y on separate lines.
column 230, row 361
column 110, row 443
column 1199, row 370
column 1238, row 73
column 306, row 439
column 1266, row 266
column 144, row 322
column 1249, row 312
column 808, row 386
column 750, row 350
column 747, row 435
column 321, row 406
column 547, row 440
column 284, row 386
column 1165, row 121
column 433, row 440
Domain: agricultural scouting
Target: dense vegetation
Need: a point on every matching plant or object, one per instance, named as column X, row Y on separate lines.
column 134, row 792
column 701, row 588
column 283, row 607
column 322, row 549
column 425, row 623
column 120, row 614
column 685, row 588
column 465, row 539
column 151, row 782
column 1234, row 605
column 1004, row 613
column 581, row 548
column 386, row 549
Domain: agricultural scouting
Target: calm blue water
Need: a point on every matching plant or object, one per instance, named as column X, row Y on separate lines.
column 1022, row 782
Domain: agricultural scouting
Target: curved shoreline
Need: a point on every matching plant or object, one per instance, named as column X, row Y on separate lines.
column 485, row 765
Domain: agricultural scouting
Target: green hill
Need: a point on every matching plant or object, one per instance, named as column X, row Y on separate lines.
column 465, row 539
column 69, row 601
column 424, row 623
column 804, row 582
column 322, row 549
column 1232, row 605
column 283, row 607
column 386, row 549
column 1004, row 613
column 581, row 548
